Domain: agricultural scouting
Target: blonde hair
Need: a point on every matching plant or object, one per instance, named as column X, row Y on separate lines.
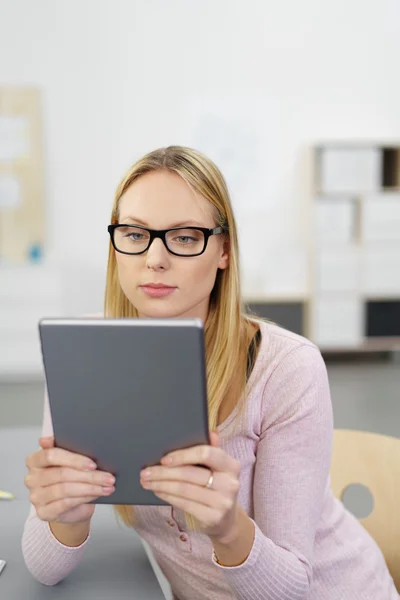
column 226, row 325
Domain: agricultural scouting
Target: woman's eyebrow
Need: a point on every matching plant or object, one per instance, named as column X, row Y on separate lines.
column 188, row 223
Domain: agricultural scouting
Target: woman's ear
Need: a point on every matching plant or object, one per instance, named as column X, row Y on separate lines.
column 224, row 259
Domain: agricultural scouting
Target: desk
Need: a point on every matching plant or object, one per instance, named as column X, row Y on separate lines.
column 115, row 563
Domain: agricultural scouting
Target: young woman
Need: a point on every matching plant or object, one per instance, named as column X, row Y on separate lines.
column 260, row 523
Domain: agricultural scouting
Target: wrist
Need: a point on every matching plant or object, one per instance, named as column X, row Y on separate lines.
column 70, row 534
column 230, row 535
column 233, row 548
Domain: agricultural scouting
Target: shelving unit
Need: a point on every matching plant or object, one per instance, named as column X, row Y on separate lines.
column 355, row 248
column 289, row 312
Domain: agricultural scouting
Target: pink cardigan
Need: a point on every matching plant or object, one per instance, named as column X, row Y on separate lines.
column 307, row 546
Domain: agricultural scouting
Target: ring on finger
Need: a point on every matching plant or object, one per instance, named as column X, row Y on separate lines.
column 210, row 481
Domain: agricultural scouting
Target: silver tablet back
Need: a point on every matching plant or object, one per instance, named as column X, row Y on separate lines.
column 124, row 392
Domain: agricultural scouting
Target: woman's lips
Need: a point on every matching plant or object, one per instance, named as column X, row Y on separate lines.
column 157, row 291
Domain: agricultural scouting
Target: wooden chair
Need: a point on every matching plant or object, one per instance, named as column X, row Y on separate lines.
column 372, row 460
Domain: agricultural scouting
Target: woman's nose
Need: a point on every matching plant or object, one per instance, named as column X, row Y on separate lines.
column 157, row 256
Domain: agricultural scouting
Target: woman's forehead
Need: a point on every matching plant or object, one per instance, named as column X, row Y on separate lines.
column 161, row 196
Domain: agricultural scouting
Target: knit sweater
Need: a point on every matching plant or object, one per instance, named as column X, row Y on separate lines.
column 306, row 545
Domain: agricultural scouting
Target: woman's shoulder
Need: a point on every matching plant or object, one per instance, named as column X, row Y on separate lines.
column 277, row 342
column 289, row 366
column 286, row 353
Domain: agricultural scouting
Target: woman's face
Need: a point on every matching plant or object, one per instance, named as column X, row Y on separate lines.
column 162, row 200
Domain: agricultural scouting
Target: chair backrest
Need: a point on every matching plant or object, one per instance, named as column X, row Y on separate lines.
column 372, row 460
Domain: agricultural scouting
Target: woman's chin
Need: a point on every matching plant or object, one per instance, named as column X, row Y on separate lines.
column 158, row 310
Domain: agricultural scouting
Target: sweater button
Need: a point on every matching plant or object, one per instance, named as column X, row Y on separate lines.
column 171, row 523
column 183, row 538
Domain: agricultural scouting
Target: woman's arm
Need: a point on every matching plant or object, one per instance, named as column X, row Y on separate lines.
column 291, row 474
column 51, row 555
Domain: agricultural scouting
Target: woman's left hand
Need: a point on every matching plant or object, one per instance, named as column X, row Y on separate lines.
column 182, row 484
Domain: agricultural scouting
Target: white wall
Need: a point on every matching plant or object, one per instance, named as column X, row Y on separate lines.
column 120, row 78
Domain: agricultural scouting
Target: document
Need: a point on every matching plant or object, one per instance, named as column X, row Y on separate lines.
column 10, row 192
column 14, row 138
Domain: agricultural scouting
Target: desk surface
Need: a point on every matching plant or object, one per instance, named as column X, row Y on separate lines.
column 115, row 563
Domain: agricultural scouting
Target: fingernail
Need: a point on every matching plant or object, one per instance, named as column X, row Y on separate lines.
column 108, row 490
column 167, row 460
column 146, row 474
column 90, row 466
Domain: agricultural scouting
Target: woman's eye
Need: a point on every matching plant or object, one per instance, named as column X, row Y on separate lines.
column 185, row 239
column 135, row 237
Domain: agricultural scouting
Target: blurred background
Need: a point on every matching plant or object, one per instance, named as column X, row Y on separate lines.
column 298, row 103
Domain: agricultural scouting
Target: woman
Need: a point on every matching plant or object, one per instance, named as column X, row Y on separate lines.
column 260, row 523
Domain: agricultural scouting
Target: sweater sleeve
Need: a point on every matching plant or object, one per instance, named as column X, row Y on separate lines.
column 46, row 558
column 290, row 480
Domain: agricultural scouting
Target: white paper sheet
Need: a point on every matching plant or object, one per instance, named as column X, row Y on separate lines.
column 14, row 138
column 235, row 131
column 10, row 192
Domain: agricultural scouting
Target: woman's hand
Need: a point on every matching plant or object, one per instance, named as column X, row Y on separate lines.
column 62, row 484
column 183, row 485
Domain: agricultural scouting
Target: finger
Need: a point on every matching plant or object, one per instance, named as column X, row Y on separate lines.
column 46, row 442
column 57, row 457
column 54, row 475
column 215, row 459
column 191, row 474
column 188, row 491
column 214, row 439
column 64, row 491
column 203, row 514
column 53, row 511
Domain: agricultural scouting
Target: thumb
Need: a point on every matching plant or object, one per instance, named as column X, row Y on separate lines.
column 214, row 439
column 46, row 442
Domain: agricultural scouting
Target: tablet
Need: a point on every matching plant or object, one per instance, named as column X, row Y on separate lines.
column 124, row 392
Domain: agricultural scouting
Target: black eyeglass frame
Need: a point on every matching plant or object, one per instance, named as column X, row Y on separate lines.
column 161, row 233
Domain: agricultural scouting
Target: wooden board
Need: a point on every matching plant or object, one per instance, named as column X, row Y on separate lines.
column 22, row 217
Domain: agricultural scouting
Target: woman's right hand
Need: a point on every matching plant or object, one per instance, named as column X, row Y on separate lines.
column 61, row 483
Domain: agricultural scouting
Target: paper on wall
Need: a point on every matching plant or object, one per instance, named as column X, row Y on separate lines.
column 232, row 144
column 14, row 138
column 234, row 130
column 10, row 192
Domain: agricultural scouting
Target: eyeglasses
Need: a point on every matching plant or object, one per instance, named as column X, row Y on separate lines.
column 180, row 241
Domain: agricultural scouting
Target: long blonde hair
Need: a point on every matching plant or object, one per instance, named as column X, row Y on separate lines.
column 226, row 325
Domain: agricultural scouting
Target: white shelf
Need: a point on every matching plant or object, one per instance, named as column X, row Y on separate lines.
column 274, row 299
column 356, row 250
column 378, row 344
